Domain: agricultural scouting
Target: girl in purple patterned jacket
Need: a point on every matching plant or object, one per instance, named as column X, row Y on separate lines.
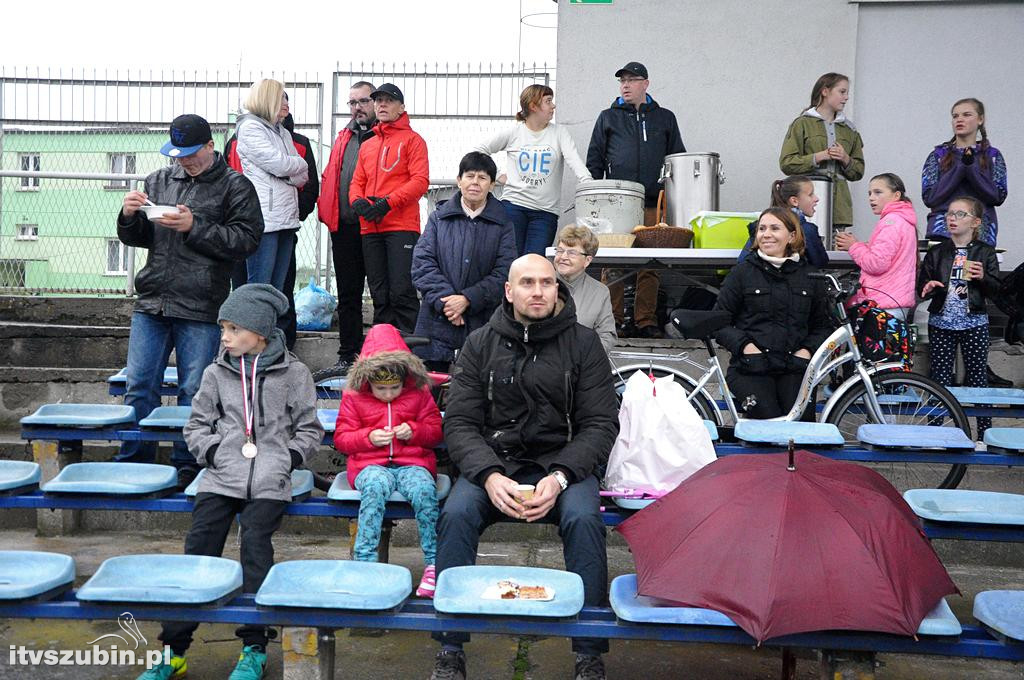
column 964, row 166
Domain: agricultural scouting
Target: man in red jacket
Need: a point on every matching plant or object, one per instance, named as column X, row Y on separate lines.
column 335, row 211
column 391, row 176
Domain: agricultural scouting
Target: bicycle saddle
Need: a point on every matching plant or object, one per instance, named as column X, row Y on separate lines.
column 698, row 324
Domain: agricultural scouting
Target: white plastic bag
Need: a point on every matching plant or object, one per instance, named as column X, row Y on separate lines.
column 662, row 439
column 313, row 308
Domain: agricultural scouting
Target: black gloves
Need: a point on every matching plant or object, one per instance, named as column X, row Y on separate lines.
column 376, row 211
column 967, row 157
column 362, row 207
column 371, row 208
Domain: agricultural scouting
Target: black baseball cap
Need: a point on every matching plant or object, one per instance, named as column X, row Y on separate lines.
column 188, row 134
column 634, row 67
column 389, row 89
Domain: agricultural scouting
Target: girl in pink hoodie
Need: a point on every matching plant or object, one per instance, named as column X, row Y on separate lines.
column 888, row 261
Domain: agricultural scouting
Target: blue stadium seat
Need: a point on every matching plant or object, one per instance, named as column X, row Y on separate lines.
column 1002, row 611
column 121, row 377
column 328, row 417
column 18, row 476
column 988, row 396
column 31, row 575
column 80, row 415
column 779, row 432
column 341, row 490
column 335, row 584
column 459, row 591
column 114, row 478
column 962, row 505
column 167, row 417
column 712, row 430
column 302, row 485
column 914, row 437
column 629, row 606
column 164, row 579
column 1005, row 439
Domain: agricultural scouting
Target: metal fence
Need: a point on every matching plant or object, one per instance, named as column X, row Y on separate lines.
column 73, row 142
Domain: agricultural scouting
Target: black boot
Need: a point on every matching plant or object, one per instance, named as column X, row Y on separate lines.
column 996, row 380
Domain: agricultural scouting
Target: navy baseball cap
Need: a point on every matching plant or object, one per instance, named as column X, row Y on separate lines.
column 634, row 67
column 390, row 90
column 188, row 134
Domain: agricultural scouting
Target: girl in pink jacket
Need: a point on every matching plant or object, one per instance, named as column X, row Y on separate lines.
column 888, row 261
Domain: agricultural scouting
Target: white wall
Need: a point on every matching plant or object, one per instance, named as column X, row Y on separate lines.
column 913, row 62
column 736, row 73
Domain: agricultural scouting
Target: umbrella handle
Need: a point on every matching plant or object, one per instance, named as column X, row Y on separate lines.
column 792, row 466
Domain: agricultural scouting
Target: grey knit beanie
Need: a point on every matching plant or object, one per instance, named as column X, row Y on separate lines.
column 255, row 307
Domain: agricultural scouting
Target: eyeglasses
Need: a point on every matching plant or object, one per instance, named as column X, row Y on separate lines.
column 958, row 215
column 356, row 102
column 570, row 252
column 636, row 79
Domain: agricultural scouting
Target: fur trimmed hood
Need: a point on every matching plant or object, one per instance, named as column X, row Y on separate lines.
column 384, row 346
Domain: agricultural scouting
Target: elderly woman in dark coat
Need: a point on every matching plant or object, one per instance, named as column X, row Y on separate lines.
column 461, row 262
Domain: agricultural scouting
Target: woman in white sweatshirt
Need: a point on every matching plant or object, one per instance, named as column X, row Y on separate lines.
column 271, row 162
column 535, row 150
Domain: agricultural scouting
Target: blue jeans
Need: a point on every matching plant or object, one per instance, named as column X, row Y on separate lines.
column 535, row 229
column 375, row 483
column 269, row 264
column 150, row 342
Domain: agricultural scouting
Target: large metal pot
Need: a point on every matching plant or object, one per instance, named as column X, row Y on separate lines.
column 613, row 206
column 691, row 182
column 824, row 189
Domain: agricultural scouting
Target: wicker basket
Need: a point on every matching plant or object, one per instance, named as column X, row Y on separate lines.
column 616, row 240
column 662, row 236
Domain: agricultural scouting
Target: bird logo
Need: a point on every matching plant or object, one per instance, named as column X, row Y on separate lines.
column 127, row 623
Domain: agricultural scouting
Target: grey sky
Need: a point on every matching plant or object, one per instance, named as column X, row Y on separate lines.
column 291, row 36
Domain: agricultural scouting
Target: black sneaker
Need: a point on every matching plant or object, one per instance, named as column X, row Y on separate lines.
column 589, row 667
column 451, row 666
column 997, row 380
column 186, row 476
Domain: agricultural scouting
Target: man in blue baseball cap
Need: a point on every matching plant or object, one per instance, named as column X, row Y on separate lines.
column 214, row 219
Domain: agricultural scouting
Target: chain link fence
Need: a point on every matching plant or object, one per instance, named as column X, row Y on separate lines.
column 73, row 142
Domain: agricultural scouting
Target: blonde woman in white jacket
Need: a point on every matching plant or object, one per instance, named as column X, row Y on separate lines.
column 271, row 162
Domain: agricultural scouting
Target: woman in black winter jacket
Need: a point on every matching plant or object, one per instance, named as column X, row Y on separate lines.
column 779, row 317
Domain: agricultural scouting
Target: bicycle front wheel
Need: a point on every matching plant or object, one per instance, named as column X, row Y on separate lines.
column 906, row 399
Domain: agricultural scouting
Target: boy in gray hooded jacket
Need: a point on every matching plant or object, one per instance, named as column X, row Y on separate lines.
column 253, row 422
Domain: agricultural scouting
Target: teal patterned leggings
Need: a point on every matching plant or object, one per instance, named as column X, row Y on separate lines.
column 375, row 483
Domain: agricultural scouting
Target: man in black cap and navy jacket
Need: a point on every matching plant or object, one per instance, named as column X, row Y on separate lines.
column 214, row 220
column 630, row 141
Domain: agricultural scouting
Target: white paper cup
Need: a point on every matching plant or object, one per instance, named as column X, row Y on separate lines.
column 525, row 490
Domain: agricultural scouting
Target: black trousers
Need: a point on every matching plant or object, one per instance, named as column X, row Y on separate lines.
column 350, row 275
column 577, row 512
column 767, row 396
column 211, row 520
column 287, row 323
column 388, row 260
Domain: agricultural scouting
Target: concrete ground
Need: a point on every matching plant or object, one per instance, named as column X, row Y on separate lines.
column 397, row 654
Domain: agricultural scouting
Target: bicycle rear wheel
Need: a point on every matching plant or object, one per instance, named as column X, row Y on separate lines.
column 705, row 408
column 906, row 399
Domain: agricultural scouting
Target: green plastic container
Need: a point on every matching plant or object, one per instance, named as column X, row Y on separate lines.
column 713, row 229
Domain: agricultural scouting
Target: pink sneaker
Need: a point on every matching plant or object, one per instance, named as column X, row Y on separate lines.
column 428, row 582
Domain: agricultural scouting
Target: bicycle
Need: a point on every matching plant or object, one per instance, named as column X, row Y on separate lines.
column 876, row 392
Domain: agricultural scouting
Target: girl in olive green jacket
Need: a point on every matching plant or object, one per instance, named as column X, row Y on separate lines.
column 822, row 141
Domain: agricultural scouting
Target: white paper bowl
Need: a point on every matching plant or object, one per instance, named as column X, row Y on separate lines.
column 154, row 212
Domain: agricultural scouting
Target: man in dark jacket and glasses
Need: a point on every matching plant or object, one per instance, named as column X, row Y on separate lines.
column 531, row 402
column 188, row 270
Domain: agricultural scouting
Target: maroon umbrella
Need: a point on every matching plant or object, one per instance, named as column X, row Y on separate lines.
column 825, row 546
